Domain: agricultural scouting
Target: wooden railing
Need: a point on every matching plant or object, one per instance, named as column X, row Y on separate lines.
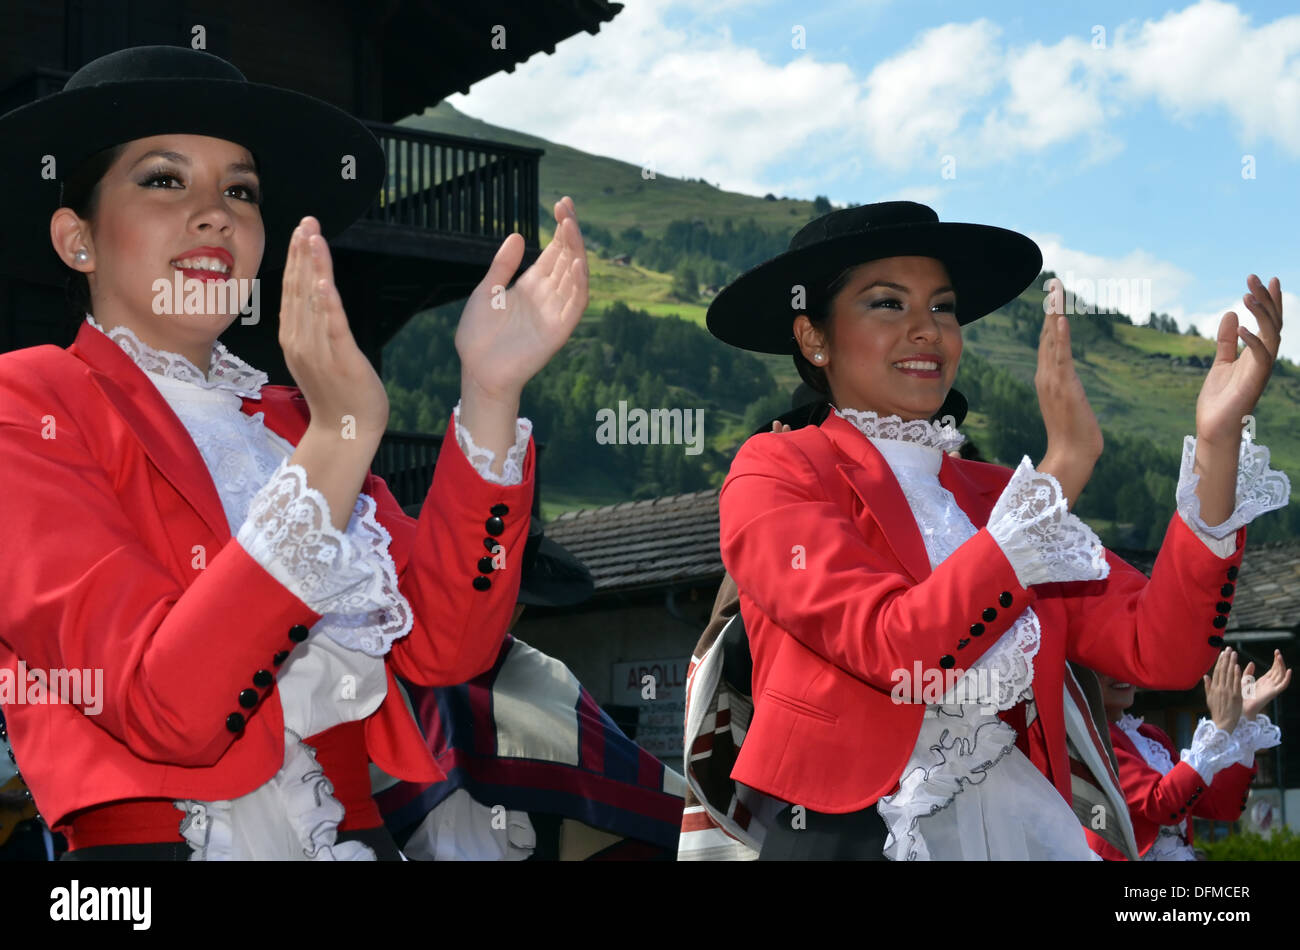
column 457, row 185
column 405, row 461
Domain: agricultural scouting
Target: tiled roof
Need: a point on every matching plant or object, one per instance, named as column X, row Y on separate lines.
column 662, row 541
column 1268, row 587
column 639, row 544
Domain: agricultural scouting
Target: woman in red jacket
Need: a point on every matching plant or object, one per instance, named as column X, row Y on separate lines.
column 211, row 549
column 1212, row 778
column 911, row 614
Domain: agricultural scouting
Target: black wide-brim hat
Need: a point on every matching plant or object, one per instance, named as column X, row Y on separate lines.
column 989, row 267
column 550, row 575
column 300, row 145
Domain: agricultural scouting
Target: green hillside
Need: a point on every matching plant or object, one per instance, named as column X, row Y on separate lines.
column 614, row 192
column 1136, row 377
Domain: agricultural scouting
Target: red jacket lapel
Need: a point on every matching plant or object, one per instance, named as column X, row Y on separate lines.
column 163, row 436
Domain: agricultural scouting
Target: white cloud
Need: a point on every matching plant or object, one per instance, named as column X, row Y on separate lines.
column 1168, row 286
column 697, row 104
column 1209, row 58
column 694, row 103
column 917, row 101
column 1160, row 284
column 1207, row 322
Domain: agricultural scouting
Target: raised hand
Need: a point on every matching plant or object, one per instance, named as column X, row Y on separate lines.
column 1258, row 694
column 333, row 374
column 506, row 336
column 1074, row 440
column 1223, row 690
column 1235, row 382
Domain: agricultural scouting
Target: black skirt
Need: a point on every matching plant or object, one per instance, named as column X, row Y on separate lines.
column 818, row 836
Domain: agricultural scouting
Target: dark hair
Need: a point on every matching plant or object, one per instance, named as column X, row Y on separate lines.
column 81, row 194
column 819, row 314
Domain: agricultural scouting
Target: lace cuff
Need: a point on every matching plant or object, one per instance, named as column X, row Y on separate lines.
column 1255, row 735
column 1259, row 489
column 1039, row 535
column 346, row 576
column 481, row 459
column 1212, row 751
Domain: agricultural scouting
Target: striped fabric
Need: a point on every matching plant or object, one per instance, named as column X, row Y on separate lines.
column 716, row 824
column 526, row 735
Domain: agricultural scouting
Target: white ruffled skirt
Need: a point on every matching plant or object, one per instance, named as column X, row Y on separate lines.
column 969, row 794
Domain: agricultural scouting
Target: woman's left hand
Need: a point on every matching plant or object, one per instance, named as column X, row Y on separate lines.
column 1234, row 383
column 506, row 336
column 1257, row 694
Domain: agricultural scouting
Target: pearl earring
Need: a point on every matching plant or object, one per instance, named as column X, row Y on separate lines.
column 81, row 256
column 818, row 357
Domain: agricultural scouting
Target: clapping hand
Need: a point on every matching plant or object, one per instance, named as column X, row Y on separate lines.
column 1074, row 440
column 1223, row 690
column 1235, row 382
column 1256, row 694
column 506, row 336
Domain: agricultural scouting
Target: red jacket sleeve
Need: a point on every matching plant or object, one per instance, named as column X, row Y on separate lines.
column 84, row 592
column 1158, row 633
column 847, row 600
column 458, row 629
column 1162, row 799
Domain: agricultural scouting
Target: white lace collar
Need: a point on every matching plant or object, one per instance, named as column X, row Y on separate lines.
column 1129, row 723
column 922, row 432
column 225, row 371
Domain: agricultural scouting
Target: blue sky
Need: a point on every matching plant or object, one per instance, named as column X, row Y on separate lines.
column 1122, row 153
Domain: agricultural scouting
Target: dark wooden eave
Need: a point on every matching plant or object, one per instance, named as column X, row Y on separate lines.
column 458, row 51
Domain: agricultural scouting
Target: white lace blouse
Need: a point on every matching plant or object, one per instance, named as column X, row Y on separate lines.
column 967, row 792
column 1213, row 750
column 337, row 675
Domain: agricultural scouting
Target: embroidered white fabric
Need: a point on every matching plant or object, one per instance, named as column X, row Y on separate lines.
column 953, row 803
column 1040, row 536
column 348, row 576
column 300, row 791
column 1255, row 735
column 1212, row 751
column 294, row 815
column 1259, row 489
column 1155, row 754
column 512, row 470
column 936, row 435
column 225, row 370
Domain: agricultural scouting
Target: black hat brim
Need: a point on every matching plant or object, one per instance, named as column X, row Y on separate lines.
column 555, row 578
column 312, row 158
column 989, row 267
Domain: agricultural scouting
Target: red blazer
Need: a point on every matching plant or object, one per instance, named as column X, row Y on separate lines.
column 1155, row 799
column 105, row 502
column 837, row 595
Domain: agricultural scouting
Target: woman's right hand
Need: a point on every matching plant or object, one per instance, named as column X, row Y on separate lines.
column 1223, row 690
column 1074, row 440
column 344, row 393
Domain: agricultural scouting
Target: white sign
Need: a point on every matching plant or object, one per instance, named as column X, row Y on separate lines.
column 659, row 688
